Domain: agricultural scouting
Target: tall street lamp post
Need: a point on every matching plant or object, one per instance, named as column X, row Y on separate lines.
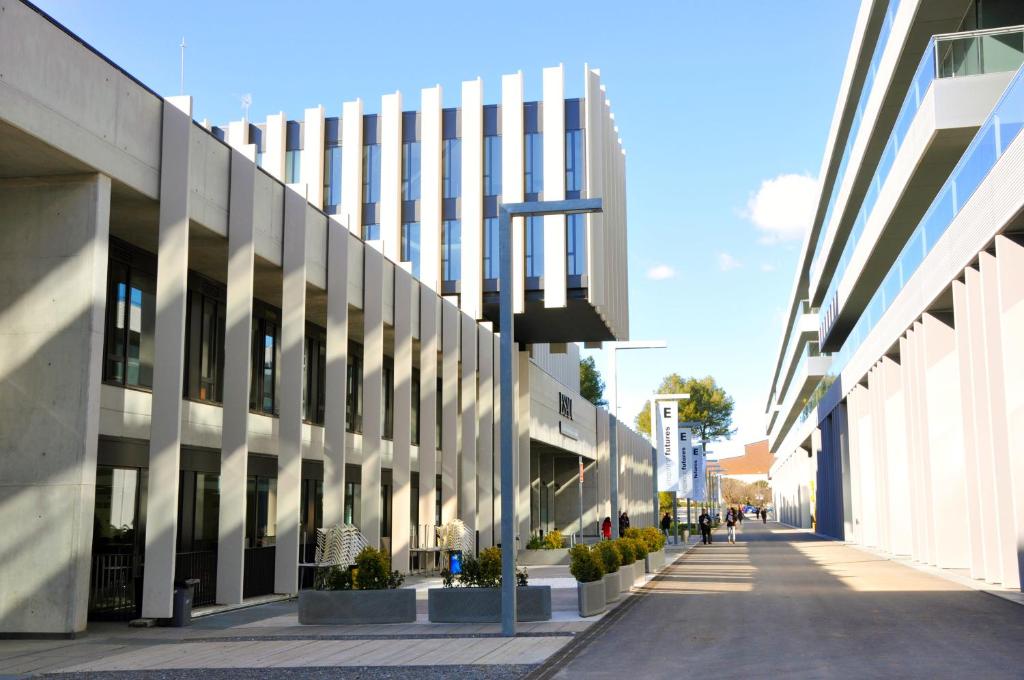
column 613, row 408
column 505, row 315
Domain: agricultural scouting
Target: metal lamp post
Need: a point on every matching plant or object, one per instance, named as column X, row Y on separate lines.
column 613, row 409
column 505, row 315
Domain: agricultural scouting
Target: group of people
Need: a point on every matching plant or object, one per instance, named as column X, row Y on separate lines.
column 606, row 525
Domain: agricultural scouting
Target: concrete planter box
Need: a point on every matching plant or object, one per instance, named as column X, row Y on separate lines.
column 611, row 586
column 340, row 607
column 655, row 561
column 627, row 574
column 483, row 605
column 540, row 558
column 590, row 597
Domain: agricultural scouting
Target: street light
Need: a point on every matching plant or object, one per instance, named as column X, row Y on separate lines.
column 505, row 317
column 613, row 444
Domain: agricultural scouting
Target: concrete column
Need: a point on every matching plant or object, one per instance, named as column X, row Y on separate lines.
column 467, row 454
column 522, row 415
column 945, row 443
column 1010, row 277
column 53, row 291
column 1003, row 502
column 313, row 136
column 472, row 199
column 274, row 145
column 234, row 457
column 496, row 437
column 854, row 403
column 485, row 451
column 289, row 448
column 169, row 358
column 907, row 351
column 449, row 411
column 429, row 343
column 401, row 495
column 512, row 180
column 336, row 373
column 924, row 459
column 555, row 291
column 867, row 463
column 391, row 175
column 878, row 431
column 352, row 166
column 373, row 393
column 896, row 457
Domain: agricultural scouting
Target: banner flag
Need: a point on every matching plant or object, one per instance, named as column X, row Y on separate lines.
column 699, row 477
column 667, row 427
column 685, row 487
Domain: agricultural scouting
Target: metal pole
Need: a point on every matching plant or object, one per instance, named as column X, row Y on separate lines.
column 580, row 461
column 654, row 483
column 507, row 405
column 613, row 448
column 675, row 516
column 686, row 536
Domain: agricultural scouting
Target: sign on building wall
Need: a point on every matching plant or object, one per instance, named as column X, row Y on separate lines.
column 685, row 486
column 667, row 417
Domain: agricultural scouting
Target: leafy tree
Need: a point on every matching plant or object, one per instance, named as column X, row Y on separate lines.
column 709, row 406
column 591, row 384
column 737, row 492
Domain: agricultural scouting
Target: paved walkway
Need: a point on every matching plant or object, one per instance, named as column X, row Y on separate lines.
column 784, row 603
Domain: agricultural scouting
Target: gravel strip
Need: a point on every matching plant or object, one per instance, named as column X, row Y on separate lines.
column 463, row 672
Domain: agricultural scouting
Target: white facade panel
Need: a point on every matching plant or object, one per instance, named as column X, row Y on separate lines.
column 352, row 166
column 430, row 187
column 312, row 172
column 391, row 175
column 472, row 209
column 512, row 180
column 555, row 284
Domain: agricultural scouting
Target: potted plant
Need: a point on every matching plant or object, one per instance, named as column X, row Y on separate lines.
column 588, row 570
column 547, row 550
column 610, row 559
column 367, row 592
column 474, row 595
column 654, row 544
column 640, row 552
column 627, row 572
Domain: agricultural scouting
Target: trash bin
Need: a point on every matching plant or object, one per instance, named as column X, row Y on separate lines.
column 183, row 592
column 455, row 562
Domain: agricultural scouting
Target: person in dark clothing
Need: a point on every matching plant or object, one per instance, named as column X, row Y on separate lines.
column 666, row 524
column 764, row 515
column 625, row 516
column 704, row 522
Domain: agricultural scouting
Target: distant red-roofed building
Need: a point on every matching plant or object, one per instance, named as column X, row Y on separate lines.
column 752, row 466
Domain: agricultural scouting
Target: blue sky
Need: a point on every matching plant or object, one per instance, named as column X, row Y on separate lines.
column 723, row 108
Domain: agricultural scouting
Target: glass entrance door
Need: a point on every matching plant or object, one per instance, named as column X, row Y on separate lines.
column 119, row 530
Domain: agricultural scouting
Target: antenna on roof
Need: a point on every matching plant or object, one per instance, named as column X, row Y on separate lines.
column 246, row 103
column 182, row 82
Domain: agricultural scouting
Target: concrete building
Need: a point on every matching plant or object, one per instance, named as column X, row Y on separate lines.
column 896, row 403
column 753, row 466
column 217, row 340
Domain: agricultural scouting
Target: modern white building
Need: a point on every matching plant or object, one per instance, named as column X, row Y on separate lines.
column 896, row 410
column 216, row 340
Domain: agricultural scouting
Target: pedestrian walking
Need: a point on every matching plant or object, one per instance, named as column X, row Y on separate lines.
column 730, row 524
column 622, row 524
column 704, row 522
column 625, row 516
column 739, row 516
column 666, row 524
column 764, row 515
column 606, row 528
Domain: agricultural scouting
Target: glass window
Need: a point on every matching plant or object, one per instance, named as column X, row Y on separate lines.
column 293, row 166
column 410, row 171
column 576, row 245
column 371, row 232
column 265, row 358
column 534, row 163
column 437, row 415
column 492, row 165
column 491, row 248
column 451, row 250
column 574, row 169
column 352, row 501
column 411, row 245
column 388, row 407
column 260, row 512
column 204, row 347
column 415, row 424
column 198, row 507
column 354, row 388
column 131, row 318
column 332, row 178
column 314, row 379
column 451, row 176
column 371, row 173
column 116, row 521
column 534, row 246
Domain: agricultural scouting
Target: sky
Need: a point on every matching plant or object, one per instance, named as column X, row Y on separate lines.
column 723, row 108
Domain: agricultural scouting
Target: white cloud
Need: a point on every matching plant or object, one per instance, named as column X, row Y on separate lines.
column 661, row 272
column 727, row 262
column 783, row 207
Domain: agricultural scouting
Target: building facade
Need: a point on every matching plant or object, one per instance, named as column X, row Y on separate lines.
column 896, row 404
column 217, row 340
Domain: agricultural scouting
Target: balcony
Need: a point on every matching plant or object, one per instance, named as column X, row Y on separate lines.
column 803, row 331
column 958, row 80
column 807, row 376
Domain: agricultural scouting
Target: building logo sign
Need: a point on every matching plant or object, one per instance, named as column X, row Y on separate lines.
column 667, row 427
column 565, row 406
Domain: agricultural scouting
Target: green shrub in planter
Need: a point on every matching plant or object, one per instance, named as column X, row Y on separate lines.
column 651, row 537
column 483, row 571
column 609, row 555
column 585, row 565
column 625, row 550
column 373, row 571
column 639, row 548
column 535, row 543
column 553, row 540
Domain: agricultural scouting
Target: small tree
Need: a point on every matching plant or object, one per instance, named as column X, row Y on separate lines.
column 591, row 384
column 709, row 406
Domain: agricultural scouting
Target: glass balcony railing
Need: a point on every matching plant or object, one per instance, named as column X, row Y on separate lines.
column 858, row 117
column 946, row 56
column 996, row 134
